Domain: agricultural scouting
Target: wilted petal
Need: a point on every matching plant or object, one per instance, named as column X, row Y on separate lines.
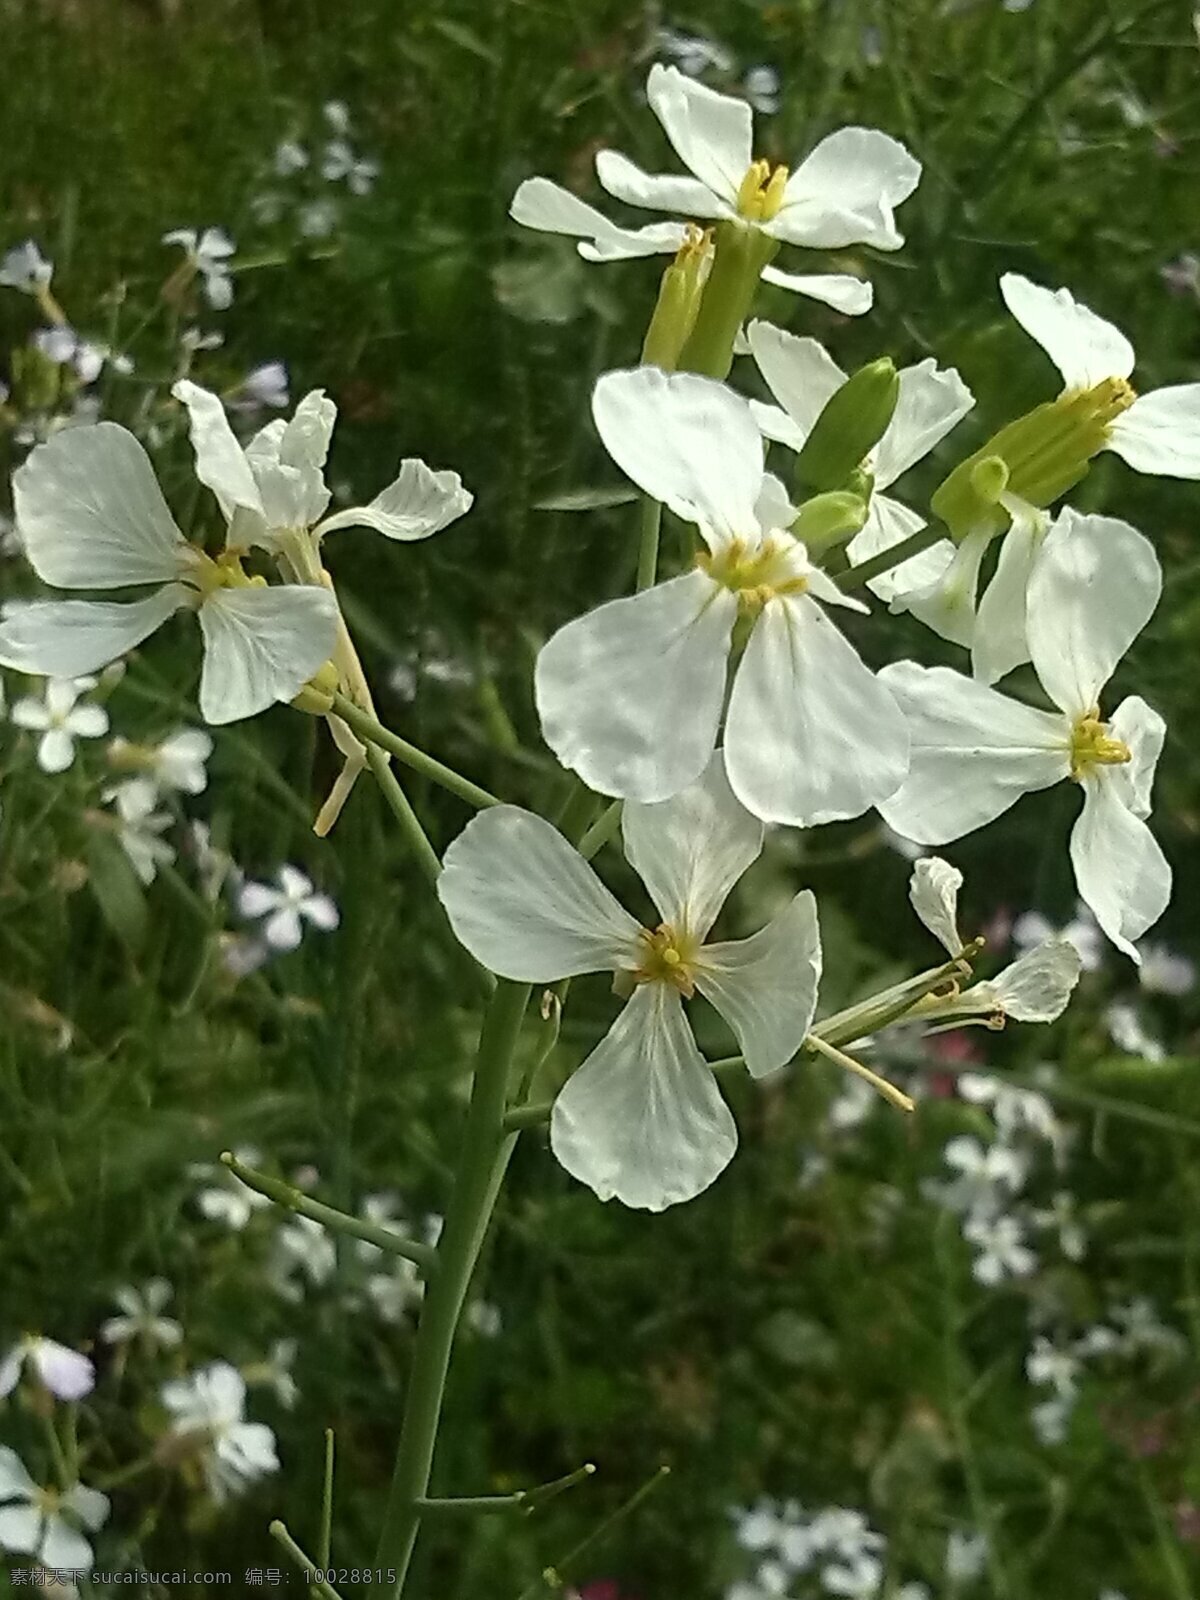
column 841, row 291
column 91, row 514
column 420, row 502
column 304, row 443
column 262, row 645
column 526, row 904
column 1083, row 347
column 1038, row 985
column 931, row 400
column 690, row 850
column 630, row 694
column 625, row 180
column 1000, row 641
column 812, row 734
column 1160, row 433
column 933, row 889
column 1094, row 588
column 845, row 191
column 221, row 462
column 889, row 523
column 974, row 753
column 1120, row 869
column 799, row 372
column 766, row 986
column 541, row 204
column 642, row 1120
column 711, row 133
column 67, row 638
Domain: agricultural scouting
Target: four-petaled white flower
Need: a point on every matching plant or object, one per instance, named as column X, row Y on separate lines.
column 209, row 1407
column 976, row 751
column 92, row 516
column 843, row 193
column 631, row 695
column 642, row 1120
column 287, row 908
column 265, row 385
column 57, row 715
column 47, row 1524
column 176, row 763
column 24, row 267
column 141, row 1317
column 227, row 1199
column 1001, row 1249
column 140, row 827
column 67, row 1374
column 803, row 377
column 208, row 253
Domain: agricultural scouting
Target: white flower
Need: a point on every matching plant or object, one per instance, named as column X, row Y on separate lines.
column 1014, row 1110
column 67, row 1374
column 208, row 253
column 693, row 53
column 1141, row 1329
column 25, row 268
column 631, row 695
column 228, row 1199
column 47, row 1524
column 1051, row 1419
column 60, row 719
column 210, row 1405
column 1032, row 928
column 843, row 193
column 1062, row 1217
column 275, row 1373
column 642, row 1119
column 264, row 385
column 317, row 219
column 290, row 157
column 384, row 1211
column 1049, row 1364
column 92, row 516
column 803, row 377
column 760, row 1528
column 1165, row 971
column 140, row 827
column 396, row 1292
column 762, row 89
column 975, row 751
column 303, row 1249
column 176, row 762
column 966, row 1555
column 339, row 163
column 1002, row 1251
column 988, row 1176
column 141, row 1317
column 64, row 347
column 1129, row 1033
column 287, row 908
column 337, row 115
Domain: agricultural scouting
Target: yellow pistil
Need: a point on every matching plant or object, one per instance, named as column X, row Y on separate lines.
column 1106, row 400
column 755, row 571
column 224, row 572
column 668, row 957
column 1093, row 746
column 761, row 193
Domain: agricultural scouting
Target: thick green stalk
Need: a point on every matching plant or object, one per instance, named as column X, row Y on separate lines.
column 482, row 1158
column 741, row 254
column 401, row 806
column 374, row 732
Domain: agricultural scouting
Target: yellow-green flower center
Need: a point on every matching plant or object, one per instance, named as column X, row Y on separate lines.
column 1093, row 746
column 668, row 957
column 756, row 571
column 208, row 574
column 761, row 192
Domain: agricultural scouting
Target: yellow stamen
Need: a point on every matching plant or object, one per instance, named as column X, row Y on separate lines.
column 755, row 571
column 668, row 958
column 1093, row 746
column 761, row 192
column 889, row 1091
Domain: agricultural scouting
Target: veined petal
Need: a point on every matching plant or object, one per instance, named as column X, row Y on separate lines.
column 642, row 1120
column 1037, row 986
column 526, row 904
column 1160, row 433
column 220, row 460
column 1000, row 641
column 91, row 514
column 261, row 645
column 660, row 191
column 932, row 400
column 1120, row 869
column 841, row 291
column 1141, row 728
column 889, row 523
column 773, row 510
column 1083, row 347
column 687, row 441
column 974, row 753
column 947, row 605
column 711, row 133
column 690, row 850
column 420, row 502
column 933, row 890
column 775, row 424
column 845, row 191
column 812, row 734
column 67, row 638
column 549, row 208
column 766, row 986
column 1093, row 590
column 304, row 443
column 799, row 372
column 630, row 694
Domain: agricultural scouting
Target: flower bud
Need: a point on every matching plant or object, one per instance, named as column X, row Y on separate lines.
column 829, row 519
column 679, row 297
column 851, row 425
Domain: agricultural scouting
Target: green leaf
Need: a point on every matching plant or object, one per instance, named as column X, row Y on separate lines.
column 118, row 892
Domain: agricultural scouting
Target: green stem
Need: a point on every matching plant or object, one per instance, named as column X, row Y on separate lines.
column 649, row 525
column 741, row 254
column 480, row 1169
column 306, row 1565
column 410, row 823
column 601, row 831
column 292, row 1199
column 531, row 1115
column 373, row 732
column 892, row 557
column 325, row 1543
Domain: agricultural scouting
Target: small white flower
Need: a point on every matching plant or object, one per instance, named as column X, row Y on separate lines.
column 1051, row 1419
column 226, row 1198
column 47, row 1524
column 396, row 1293
column 1140, row 1329
column 337, row 115
column 642, row 1120
column 760, row 1528
column 1048, row 1364
column 209, row 253
column 1129, row 1033
column 285, row 909
column 303, row 1250
column 761, row 87
column 1002, row 1251
column 290, row 157
column 693, row 53
column 141, row 1317
column 1032, row 928
column 988, row 1176
column 141, row 826
column 264, row 386
column 317, row 219
column 385, row 1212
column 208, row 1407
column 850, row 1107
column 966, row 1556
column 483, row 1318
column 25, row 268
column 67, row 1374
column 1165, row 971
column 1062, row 1218
column 340, row 164
column 275, row 1373
column 1014, row 1110
column 60, row 719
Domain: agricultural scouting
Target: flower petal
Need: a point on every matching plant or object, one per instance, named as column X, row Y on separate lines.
column 1037, row 986
column 66, row 638
column 974, row 753
column 546, row 206
column 262, row 645
column 765, row 986
column 304, row 442
column 932, row 400
column 64, row 1549
column 933, row 889
column 526, row 904
column 56, row 750
column 1083, row 347
column 845, row 191
column 687, row 441
column 775, row 424
column 1120, row 869
column 1093, row 590
column 89, row 1505
column 418, row 503
column 1160, row 433
column 221, row 462
column 642, row 1120
column 889, row 523
column 690, row 850
column 812, row 734
column 630, row 694
column 20, row 1530
column 657, row 191
column 711, row 133
column 1000, row 641
column 65, row 1372
column 1143, row 730
column 947, row 605
column 91, row 514
column 841, row 291
column 15, row 1482
column 799, row 372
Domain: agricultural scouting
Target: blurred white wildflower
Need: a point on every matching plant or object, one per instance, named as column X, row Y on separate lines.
column 1165, row 971
column 966, row 1556
column 396, row 1293
column 1083, row 931
column 285, row 909
column 140, row 827
column 275, row 1373
column 302, row 1250
column 208, row 253
column 1014, row 1110
column 208, row 1408
column 225, row 1198
column 340, row 164
column 987, row 1176
column 385, row 1212
column 1129, row 1033
column 693, row 53
column 290, row 157
column 66, row 1373
column 24, row 267
column 1001, row 1250
column 141, row 1317
column 47, row 1524
column 263, row 386
column 762, row 88
column 60, row 719
column 1061, row 1217
column 175, row 763
column 1140, row 1330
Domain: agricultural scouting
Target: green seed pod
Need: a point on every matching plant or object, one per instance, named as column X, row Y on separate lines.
column 849, row 428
